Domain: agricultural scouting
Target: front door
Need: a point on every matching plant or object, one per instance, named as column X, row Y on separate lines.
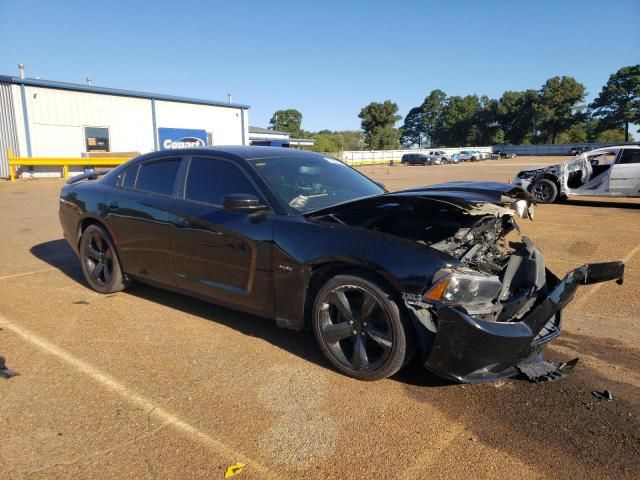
column 223, row 255
column 625, row 174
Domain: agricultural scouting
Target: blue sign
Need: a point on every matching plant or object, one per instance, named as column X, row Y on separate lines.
column 181, row 138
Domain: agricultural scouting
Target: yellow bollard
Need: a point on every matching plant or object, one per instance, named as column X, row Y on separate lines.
column 65, row 171
column 12, row 173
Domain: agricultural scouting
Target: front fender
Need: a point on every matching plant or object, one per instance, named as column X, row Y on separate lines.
column 302, row 246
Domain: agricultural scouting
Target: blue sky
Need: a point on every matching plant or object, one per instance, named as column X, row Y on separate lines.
column 327, row 59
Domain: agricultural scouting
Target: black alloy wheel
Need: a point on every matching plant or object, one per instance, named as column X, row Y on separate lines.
column 544, row 191
column 100, row 264
column 359, row 328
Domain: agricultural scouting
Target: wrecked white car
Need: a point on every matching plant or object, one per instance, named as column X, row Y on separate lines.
column 604, row 172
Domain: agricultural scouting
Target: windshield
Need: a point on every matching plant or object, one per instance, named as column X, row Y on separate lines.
column 308, row 183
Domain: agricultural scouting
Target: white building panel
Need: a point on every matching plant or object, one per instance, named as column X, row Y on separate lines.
column 57, row 119
column 17, row 109
column 223, row 124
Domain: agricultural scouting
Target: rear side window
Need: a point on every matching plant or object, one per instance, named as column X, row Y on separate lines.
column 210, row 180
column 630, row 156
column 129, row 177
column 158, row 177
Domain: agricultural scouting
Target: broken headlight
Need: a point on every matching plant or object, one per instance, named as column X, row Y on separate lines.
column 464, row 287
column 527, row 174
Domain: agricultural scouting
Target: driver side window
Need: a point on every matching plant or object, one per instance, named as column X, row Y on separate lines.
column 209, row 180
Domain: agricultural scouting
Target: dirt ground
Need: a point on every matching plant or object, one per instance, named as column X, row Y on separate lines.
column 147, row 383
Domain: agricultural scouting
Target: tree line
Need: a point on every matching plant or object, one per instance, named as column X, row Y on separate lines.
column 555, row 113
column 290, row 121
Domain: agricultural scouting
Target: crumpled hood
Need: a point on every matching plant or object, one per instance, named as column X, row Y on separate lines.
column 473, row 192
column 554, row 168
column 476, row 198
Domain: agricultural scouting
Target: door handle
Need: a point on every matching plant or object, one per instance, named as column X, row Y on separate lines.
column 112, row 205
column 181, row 222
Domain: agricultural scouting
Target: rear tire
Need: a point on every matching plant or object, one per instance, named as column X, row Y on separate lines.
column 544, row 191
column 99, row 261
column 360, row 328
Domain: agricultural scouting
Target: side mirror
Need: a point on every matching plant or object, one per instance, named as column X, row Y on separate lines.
column 242, row 202
column 594, row 162
column 381, row 185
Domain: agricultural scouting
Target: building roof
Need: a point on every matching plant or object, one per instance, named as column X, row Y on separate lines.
column 265, row 130
column 79, row 87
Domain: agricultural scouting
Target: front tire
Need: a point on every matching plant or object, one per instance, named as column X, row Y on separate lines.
column 100, row 262
column 360, row 328
column 544, row 191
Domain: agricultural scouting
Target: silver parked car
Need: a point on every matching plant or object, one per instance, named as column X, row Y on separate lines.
column 604, row 172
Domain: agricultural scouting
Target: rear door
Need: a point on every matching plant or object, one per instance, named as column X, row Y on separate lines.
column 223, row 255
column 138, row 214
column 625, row 174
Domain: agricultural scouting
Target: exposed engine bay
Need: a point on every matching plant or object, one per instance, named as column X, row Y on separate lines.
column 474, row 233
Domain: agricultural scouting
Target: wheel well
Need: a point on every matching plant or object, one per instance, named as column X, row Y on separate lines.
column 546, row 176
column 84, row 224
column 321, row 275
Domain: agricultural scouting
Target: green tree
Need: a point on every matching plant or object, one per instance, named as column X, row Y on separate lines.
column 613, row 135
column 619, row 101
column 515, row 112
column 487, row 124
column 334, row 142
column 458, row 126
column 413, row 132
column 288, row 120
column 432, row 108
column 378, row 123
column 558, row 106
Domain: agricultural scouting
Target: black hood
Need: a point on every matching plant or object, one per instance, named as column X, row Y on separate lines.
column 465, row 195
column 473, row 192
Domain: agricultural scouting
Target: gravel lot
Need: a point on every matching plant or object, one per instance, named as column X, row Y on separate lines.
column 147, row 383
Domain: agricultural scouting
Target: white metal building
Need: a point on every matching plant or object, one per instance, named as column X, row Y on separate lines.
column 44, row 118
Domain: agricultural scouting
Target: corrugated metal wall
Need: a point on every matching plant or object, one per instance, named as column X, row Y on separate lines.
column 8, row 134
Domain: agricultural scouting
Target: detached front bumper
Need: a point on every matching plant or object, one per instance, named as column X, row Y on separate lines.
column 467, row 349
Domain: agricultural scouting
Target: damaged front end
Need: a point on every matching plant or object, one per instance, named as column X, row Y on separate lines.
column 491, row 316
column 468, row 347
column 489, row 310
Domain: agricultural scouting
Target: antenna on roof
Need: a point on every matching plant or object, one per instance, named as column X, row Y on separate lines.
column 230, row 97
column 21, row 69
column 89, row 81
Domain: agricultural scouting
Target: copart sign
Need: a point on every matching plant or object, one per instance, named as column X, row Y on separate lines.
column 181, row 138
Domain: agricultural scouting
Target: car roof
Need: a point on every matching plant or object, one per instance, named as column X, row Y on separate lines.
column 612, row 147
column 233, row 151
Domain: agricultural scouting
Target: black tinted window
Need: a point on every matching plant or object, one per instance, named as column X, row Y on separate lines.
column 129, row 177
column 630, row 156
column 158, row 177
column 211, row 180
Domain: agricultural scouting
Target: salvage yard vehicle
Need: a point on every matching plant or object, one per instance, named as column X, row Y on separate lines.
column 604, row 172
column 301, row 238
column 469, row 156
column 503, row 154
column 578, row 150
column 439, row 157
column 416, row 159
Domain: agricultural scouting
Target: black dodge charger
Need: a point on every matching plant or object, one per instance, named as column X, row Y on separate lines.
column 302, row 238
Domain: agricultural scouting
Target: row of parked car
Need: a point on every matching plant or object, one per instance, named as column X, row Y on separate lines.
column 440, row 157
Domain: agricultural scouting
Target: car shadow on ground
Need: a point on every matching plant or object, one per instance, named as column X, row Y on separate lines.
column 58, row 254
